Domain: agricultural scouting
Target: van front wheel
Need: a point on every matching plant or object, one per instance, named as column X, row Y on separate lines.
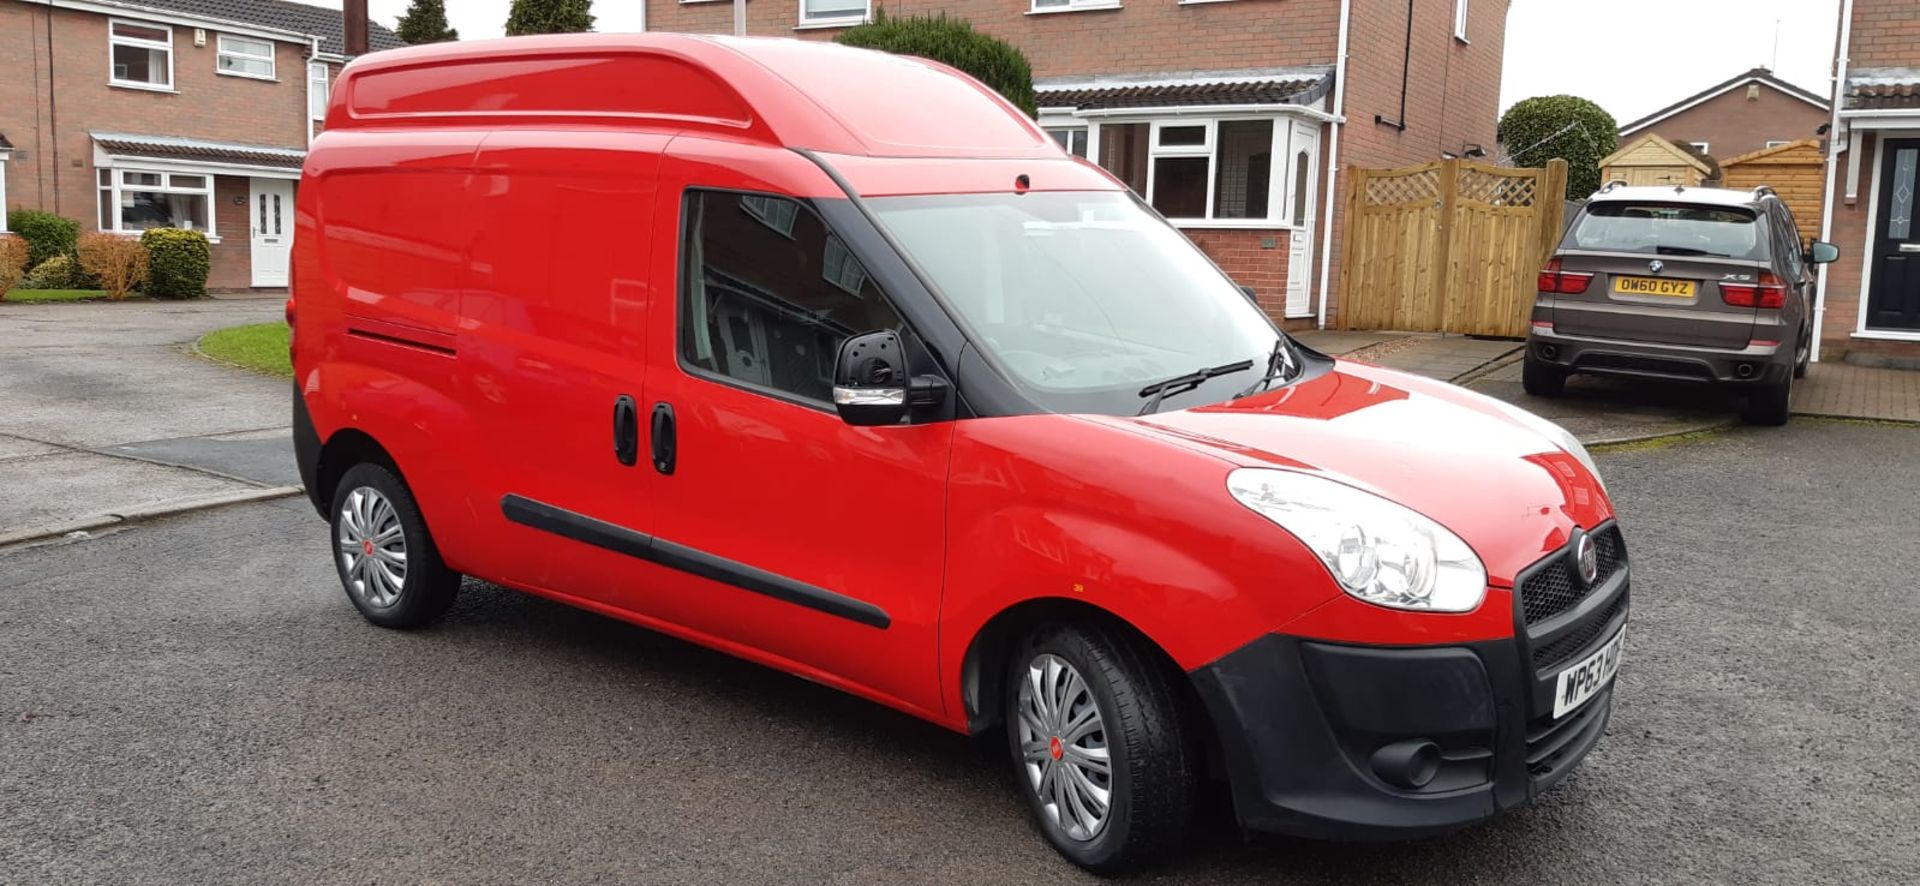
column 1100, row 747
column 386, row 560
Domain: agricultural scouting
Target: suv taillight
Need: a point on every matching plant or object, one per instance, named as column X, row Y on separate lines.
column 1770, row 292
column 1552, row 279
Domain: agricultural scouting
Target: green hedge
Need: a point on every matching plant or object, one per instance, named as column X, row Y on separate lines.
column 951, row 41
column 179, row 262
column 47, row 235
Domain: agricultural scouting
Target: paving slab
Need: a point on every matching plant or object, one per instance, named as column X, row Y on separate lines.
column 257, row 456
column 67, row 486
column 1342, row 341
column 1844, row 390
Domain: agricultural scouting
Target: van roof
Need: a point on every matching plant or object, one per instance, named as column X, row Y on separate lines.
column 787, row 92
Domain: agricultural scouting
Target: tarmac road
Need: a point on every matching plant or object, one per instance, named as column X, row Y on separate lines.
column 194, row 700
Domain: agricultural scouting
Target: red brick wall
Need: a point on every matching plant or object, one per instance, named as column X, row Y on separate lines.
column 206, row 105
column 1141, row 36
column 1241, row 254
column 1732, row 124
column 233, row 255
column 1886, row 34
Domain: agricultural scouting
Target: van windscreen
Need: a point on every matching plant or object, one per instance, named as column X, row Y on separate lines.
column 1669, row 229
column 1082, row 298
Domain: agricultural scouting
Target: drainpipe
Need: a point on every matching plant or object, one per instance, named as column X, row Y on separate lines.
column 53, row 112
column 1833, row 165
column 1333, row 159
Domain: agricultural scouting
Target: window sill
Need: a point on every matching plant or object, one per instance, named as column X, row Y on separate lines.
column 824, row 24
column 1887, row 335
column 1462, row 40
column 1065, row 9
column 265, row 77
column 135, row 235
column 1200, row 2
column 143, row 87
column 1245, row 224
column 698, row 2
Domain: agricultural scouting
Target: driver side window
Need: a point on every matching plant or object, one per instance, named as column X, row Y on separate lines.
column 769, row 293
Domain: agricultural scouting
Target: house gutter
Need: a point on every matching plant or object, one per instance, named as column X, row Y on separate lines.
column 1833, row 165
column 1337, row 123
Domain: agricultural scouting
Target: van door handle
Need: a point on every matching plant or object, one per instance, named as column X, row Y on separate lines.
column 664, row 438
column 626, row 430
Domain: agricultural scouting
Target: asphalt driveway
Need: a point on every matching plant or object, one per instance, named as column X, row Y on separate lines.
column 193, row 700
column 102, row 412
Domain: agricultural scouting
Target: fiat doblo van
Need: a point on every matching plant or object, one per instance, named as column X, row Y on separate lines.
column 832, row 360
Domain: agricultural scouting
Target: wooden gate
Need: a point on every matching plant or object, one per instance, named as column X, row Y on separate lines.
column 1451, row 246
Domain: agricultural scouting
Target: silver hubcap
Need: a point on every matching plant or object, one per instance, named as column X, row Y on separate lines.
column 372, row 547
column 1063, row 747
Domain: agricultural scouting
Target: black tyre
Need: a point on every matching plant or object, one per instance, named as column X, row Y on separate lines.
column 1102, row 749
column 1803, row 356
column 1770, row 405
column 1542, row 380
column 386, row 560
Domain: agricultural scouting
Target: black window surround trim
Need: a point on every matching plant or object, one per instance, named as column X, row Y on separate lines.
column 673, row 555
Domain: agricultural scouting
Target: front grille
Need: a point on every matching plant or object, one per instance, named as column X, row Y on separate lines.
column 1555, row 589
column 1550, row 655
column 1550, row 740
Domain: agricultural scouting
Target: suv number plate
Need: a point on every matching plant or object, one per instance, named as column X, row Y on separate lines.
column 1653, row 286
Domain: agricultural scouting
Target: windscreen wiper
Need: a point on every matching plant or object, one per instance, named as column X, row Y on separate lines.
column 1686, row 250
column 1280, row 364
column 1182, row 383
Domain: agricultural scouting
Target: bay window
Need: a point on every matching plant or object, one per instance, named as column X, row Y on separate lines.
column 133, row 200
column 139, row 55
column 242, row 57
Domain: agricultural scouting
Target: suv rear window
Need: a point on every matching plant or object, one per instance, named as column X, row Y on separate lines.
column 1670, row 229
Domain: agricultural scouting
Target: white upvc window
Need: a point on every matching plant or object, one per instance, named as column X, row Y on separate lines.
column 1460, row 20
column 139, row 55
column 1071, row 5
column 1219, row 172
column 133, row 200
column 317, row 95
column 1072, row 139
column 1701, row 147
column 3, row 190
column 245, row 57
column 1777, row 142
column 833, row 13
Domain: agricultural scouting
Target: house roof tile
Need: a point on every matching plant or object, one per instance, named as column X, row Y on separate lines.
column 167, row 147
column 1272, row 87
column 1876, row 88
column 327, row 24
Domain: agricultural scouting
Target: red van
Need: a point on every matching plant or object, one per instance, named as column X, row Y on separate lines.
column 832, row 360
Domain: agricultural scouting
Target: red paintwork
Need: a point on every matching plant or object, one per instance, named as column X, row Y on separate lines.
column 512, row 209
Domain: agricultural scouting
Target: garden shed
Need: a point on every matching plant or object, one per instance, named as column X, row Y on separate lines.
column 1796, row 171
column 1652, row 160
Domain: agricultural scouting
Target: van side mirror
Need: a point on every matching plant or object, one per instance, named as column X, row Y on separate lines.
column 870, row 379
column 1822, row 252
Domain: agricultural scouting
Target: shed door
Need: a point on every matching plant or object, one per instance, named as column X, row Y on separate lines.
column 1893, row 301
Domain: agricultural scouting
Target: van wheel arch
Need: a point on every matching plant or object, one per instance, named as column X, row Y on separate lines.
column 983, row 669
column 346, row 448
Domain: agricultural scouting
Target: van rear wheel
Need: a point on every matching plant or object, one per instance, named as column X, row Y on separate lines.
column 387, row 562
column 1101, row 749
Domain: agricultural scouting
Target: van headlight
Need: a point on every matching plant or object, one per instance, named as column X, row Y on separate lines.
column 1378, row 551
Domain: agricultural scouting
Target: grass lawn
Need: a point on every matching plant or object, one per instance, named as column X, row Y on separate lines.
column 261, row 347
column 38, row 296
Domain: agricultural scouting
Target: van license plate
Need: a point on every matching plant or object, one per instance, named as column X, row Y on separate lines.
column 1653, row 286
column 1584, row 680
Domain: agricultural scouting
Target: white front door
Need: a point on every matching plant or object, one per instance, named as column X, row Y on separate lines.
column 270, row 208
column 1303, row 171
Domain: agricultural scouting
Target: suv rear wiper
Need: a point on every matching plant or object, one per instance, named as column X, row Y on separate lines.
column 1280, row 364
column 1687, row 250
column 1160, row 389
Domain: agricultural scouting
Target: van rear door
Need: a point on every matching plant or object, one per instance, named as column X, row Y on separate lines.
column 1652, row 272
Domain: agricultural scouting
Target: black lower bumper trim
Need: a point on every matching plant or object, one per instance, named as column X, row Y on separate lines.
column 1300, row 723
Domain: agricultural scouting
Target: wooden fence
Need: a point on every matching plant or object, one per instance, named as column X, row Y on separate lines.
column 1450, row 246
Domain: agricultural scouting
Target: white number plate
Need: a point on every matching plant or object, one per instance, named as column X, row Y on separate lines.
column 1583, row 680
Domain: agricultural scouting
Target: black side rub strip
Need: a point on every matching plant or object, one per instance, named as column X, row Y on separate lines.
column 599, row 533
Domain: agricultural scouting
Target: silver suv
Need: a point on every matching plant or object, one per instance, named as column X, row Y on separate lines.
column 1698, row 284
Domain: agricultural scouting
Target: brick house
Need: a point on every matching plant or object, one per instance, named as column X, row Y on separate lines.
column 1751, row 112
column 1232, row 117
column 1870, row 298
column 131, row 114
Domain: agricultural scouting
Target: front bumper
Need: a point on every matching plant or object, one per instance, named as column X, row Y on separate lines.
column 1753, row 364
column 1308, row 727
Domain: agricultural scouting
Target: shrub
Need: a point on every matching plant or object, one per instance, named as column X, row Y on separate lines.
column 1564, row 126
column 58, row 272
column 549, row 17
column 47, row 235
column 13, row 262
column 951, row 41
column 119, row 263
column 177, row 262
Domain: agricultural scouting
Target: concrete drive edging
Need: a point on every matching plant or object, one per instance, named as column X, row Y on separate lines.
column 164, row 509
